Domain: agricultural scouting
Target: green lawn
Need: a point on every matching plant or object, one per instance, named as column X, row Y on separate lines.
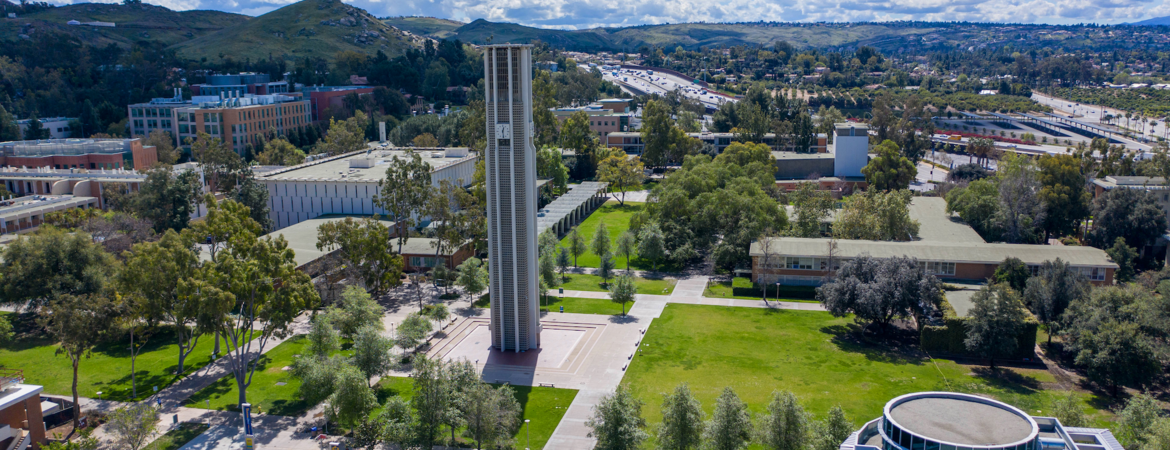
column 586, row 282
column 107, row 369
column 818, row 357
column 544, row 406
column 178, row 437
column 577, row 305
column 273, row 389
column 743, row 288
column 617, row 219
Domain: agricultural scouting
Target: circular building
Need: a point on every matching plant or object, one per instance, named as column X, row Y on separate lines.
column 952, row 421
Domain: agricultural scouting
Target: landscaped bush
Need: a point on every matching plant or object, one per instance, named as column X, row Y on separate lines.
column 949, row 337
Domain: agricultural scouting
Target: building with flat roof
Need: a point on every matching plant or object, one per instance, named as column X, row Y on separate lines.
column 946, row 247
column 321, row 98
column 238, row 121
column 80, row 183
column 22, row 424
column 26, row 213
column 1154, row 185
column 58, row 126
column 954, row 421
column 617, row 105
column 347, row 184
column 631, row 141
column 510, row 163
column 87, row 154
column 850, row 149
column 237, row 85
column 602, row 121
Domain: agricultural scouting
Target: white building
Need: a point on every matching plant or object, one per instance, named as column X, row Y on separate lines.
column 347, row 184
column 510, row 167
column 58, row 126
column 850, row 149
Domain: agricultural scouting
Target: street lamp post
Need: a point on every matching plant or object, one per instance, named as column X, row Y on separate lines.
column 527, row 435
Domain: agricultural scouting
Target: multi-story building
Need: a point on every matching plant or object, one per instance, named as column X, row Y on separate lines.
column 347, row 184
column 82, row 183
column 631, row 141
column 321, row 98
column 28, row 212
column 954, row 421
column 601, row 120
column 238, row 121
column 58, row 126
column 510, row 163
column 88, row 154
column 237, row 85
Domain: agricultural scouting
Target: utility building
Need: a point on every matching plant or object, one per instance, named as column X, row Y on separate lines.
column 510, row 165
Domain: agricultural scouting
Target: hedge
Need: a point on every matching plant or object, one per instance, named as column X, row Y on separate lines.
column 949, row 337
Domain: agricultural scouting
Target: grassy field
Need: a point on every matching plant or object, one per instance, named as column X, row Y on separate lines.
column 617, row 219
column 178, row 437
column 273, row 389
column 107, row 369
column 818, row 357
column 544, row 406
column 585, row 282
column 578, row 305
column 743, row 288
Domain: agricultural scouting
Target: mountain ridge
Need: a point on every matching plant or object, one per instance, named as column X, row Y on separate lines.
column 133, row 23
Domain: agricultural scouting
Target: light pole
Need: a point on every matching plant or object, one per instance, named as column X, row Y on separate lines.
column 527, row 435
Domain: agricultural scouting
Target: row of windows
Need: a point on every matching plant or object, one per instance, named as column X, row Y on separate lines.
column 425, row 261
column 909, row 441
column 150, row 112
column 931, row 267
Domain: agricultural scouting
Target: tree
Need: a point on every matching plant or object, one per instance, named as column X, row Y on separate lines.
column 266, row 293
column 37, row 268
column 656, row 132
column 164, row 277
column 1124, row 256
column 222, row 165
column 550, row 165
column 651, row 244
column 432, row 397
column 472, row 277
column 785, row 426
column 397, row 421
column 356, row 310
column 548, row 272
column 562, row 261
column 1013, row 272
column 1066, row 201
column 978, row 205
column 889, row 170
column 1021, row 210
column 77, row 323
column 1067, row 409
column 617, row 422
column 35, row 130
column 576, row 244
column 164, row 147
column 967, row 172
column 133, row 425
column 490, row 413
column 878, row 290
column 831, row 432
column 995, row 322
column 600, row 243
column 280, row 152
column 626, row 246
column 318, row 375
column 730, row 427
column 323, row 338
column 1115, row 354
column 345, row 136
column 166, row 199
column 352, row 399
column 425, row 140
column 364, row 250
column 404, row 193
column 623, row 291
column 605, row 267
column 1137, row 419
column 876, row 215
column 576, row 136
column 9, row 130
column 1133, row 214
column 412, row 331
column 1048, row 294
column 622, row 173
column 811, row 207
column 682, row 420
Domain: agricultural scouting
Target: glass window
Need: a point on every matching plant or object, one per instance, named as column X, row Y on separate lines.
column 904, row 439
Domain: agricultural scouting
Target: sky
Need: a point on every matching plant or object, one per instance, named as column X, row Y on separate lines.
column 580, row 14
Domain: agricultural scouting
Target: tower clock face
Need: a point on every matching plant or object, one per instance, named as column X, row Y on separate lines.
column 503, row 129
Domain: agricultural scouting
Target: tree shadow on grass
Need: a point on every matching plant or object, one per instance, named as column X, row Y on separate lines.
column 893, row 347
column 1008, row 380
column 620, row 319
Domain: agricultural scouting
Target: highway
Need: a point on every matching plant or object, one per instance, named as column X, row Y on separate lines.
column 660, row 83
column 1094, row 114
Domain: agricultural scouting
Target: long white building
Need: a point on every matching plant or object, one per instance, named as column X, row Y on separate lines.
column 510, row 169
column 347, row 184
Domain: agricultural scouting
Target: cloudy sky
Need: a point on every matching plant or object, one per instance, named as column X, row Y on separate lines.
column 570, row 14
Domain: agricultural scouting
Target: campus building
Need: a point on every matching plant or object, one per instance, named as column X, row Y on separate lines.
column 322, row 98
column 237, row 85
column 82, row 183
column 58, row 126
column 86, row 154
column 347, row 183
column 631, row 141
column 510, row 162
column 948, row 249
column 238, row 121
column 602, row 121
column 22, row 424
column 28, row 212
column 1154, row 185
column 953, row 421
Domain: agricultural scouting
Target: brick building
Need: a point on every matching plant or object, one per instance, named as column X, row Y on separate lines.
column 238, row 121
column 89, row 154
column 321, row 98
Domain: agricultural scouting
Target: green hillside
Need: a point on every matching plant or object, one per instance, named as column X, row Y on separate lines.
column 691, row 35
column 431, row 27
column 309, row 28
column 132, row 23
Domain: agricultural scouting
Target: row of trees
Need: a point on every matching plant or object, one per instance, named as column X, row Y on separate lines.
column 617, row 423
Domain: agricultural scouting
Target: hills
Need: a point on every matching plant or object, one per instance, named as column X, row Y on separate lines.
column 135, row 23
column 1156, row 21
column 309, row 28
column 431, row 27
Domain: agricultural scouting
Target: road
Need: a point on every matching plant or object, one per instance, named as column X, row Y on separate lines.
column 1094, row 114
column 661, row 83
